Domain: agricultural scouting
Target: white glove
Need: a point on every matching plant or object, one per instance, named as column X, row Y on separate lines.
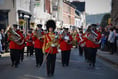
column 52, row 45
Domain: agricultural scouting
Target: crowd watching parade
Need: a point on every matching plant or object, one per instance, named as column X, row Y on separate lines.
column 46, row 44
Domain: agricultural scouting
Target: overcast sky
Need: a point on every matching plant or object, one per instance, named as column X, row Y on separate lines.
column 97, row 6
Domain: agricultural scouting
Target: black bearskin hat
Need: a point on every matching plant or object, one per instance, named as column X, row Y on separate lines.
column 66, row 29
column 50, row 23
column 39, row 25
column 15, row 25
column 94, row 25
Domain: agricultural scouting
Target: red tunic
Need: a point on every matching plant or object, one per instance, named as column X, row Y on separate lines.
column 49, row 37
column 12, row 44
column 29, row 43
column 80, row 40
column 64, row 46
column 91, row 44
column 70, row 40
column 98, row 38
column 37, row 42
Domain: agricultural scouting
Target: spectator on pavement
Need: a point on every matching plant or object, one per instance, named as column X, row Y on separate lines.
column 3, row 40
column 111, row 40
column 0, row 43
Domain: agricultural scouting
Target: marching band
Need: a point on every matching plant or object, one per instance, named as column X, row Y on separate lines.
column 46, row 45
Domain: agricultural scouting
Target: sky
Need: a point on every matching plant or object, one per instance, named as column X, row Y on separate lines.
column 97, row 6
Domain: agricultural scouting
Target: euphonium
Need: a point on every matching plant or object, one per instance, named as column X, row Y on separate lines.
column 93, row 37
column 14, row 36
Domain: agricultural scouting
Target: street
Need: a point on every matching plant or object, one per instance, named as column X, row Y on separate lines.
column 78, row 69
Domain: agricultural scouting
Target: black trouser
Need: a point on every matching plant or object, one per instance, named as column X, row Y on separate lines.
column 112, row 48
column 15, row 56
column 51, row 58
column 22, row 54
column 29, row 50
column 86, row 53
column 80, row 51
column 39, row 56
column 3, row 46
column 6, row 47
column 65, row 55
column 92, row 56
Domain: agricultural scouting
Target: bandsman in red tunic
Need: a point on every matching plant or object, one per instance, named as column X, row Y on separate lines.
column 38, row 43
column 92, row 39
column 15, row 38
column 50, row 47
column 29, row 43
column 65, row 42
column 80, row 41
column 22, row 46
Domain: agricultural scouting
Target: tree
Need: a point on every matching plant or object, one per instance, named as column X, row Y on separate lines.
column 104, row 21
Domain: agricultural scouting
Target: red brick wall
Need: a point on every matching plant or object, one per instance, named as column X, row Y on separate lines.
column 68, row 14
column 72, row 16
column 47, row 6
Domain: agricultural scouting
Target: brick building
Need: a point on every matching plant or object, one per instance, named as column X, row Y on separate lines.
column 114, row 13
column 68, row 14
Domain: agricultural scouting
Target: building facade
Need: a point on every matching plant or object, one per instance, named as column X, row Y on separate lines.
column 114, row 13
column 68, row 15
column 12, row 11
column 80, row 8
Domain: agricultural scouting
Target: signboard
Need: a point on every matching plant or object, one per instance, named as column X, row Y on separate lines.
column 55, row 8
column 37, row 3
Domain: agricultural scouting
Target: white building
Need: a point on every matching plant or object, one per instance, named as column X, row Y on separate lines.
column 78, row 22
column 57, row 12
column 13, row 10
column 39, row 13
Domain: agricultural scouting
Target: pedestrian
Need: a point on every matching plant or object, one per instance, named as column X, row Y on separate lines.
column 103, row 41
column 106, row 34
column 65, row 42
column 29, row 43
column 0, row 43
column 38, row 43
column 50, row 47
column 3, row 40
column 111, row 40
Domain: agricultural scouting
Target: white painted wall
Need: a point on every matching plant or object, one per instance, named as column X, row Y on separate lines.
column 78, row 22
column 8, row 5
column 38, row 14
column 23, row 5
column 18, row 5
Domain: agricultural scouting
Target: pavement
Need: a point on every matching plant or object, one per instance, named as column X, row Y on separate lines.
column 106, row 56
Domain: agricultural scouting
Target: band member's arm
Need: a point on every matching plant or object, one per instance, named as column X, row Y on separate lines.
column 70, row 37
column 27, row 38
column 99, row 36
column 44, row 43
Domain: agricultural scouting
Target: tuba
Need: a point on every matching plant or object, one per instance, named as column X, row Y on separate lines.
column 92, row 37
column 14, row 36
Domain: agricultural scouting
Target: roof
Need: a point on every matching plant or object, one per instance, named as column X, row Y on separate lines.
column 79, row 5
column 68, row 3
